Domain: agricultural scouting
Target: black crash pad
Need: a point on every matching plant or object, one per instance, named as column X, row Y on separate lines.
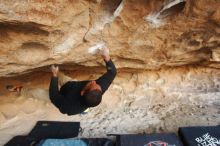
column 54, row 129
column 165, row 139
column 21, row 141
column 200, row 136
column 46, row 129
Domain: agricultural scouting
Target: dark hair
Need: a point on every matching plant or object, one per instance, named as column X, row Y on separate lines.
column 92, row 98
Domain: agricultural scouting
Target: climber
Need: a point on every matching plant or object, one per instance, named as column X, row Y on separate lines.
column 75, row 97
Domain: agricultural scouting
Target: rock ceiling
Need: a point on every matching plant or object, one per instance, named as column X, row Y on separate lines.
column 141, row 34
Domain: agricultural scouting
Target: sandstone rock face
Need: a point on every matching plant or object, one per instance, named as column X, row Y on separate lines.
column 144, row 34
column 167, row 53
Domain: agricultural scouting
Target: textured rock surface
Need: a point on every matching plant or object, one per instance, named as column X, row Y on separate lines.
column 37, row 33
column 167, row 53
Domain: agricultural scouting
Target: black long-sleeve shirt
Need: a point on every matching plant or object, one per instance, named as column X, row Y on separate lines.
column 68, row 100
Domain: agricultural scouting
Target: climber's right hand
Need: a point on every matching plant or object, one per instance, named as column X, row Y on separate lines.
column 104, row 52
